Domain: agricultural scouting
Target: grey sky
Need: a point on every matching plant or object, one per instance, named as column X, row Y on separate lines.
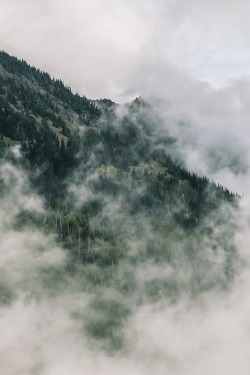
column 97, row 46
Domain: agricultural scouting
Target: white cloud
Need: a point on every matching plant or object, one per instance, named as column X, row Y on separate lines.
column 92, row 46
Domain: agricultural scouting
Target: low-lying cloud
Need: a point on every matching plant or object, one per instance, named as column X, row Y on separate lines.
column 210, row 125
column 182, row 316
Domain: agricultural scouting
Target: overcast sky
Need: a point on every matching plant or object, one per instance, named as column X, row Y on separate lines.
column 99, row 46
column 193, row 54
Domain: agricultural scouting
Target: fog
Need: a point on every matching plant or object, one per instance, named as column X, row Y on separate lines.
column 185, row 316
column 210, row 125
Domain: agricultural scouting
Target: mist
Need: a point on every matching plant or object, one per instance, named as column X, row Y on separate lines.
column 210, row 125
column 176, row 304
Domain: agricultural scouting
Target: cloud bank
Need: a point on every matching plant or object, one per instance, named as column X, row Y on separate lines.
column 52, row 323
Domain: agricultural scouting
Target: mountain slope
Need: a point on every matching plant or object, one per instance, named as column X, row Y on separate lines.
column 114, row 197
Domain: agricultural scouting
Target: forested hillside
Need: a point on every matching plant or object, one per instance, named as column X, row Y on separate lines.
column 113, row 196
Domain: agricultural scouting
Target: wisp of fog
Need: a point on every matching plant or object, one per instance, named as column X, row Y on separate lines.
column 185, row 316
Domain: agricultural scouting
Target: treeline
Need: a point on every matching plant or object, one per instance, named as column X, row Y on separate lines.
column 80, row 104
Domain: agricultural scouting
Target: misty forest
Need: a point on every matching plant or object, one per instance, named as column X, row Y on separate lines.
column 111, row 250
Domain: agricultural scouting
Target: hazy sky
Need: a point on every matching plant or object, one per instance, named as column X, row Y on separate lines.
column 99, row 46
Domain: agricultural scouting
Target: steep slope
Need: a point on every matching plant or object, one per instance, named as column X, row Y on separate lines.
column 28, row 94
column 114, row 197
column 35, row 107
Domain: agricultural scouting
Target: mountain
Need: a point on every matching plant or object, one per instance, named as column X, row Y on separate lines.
column 113, row 195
